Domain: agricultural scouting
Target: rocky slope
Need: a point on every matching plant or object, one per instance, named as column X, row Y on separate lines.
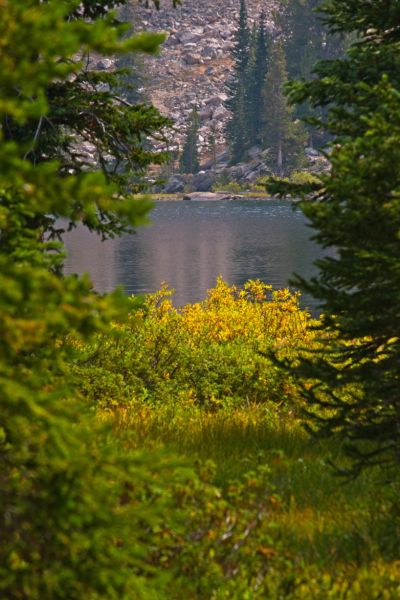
column 195, row 62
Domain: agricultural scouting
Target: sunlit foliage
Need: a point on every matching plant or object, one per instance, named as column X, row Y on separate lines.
column 209, row 353
column 71, row 526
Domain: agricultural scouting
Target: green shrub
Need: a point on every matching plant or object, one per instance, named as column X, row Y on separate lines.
column 212, row 353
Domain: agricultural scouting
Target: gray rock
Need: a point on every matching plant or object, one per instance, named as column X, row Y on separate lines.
column 223, row 157
column 209, row 196
column 202, row 181
column 215, row 100
column 192, row 59
column 209, row 52
column 255, row 152
column 228, row 46
column 171, row 41
column 311, row 151
column 187, row 36
column 219, row 113
column 175, row 184
column 104, row 64
column 254, row 175
column 206, row 114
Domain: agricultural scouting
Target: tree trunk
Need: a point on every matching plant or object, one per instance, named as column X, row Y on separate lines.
column 280, row 158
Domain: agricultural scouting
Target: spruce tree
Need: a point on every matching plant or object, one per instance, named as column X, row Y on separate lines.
column 307, row 41
column 237, row 87
column 305, row 36
column 352, row 384
column 282, row 134
column 189, row 161
column 73, row 521
column 256, row 74
column 89, row 124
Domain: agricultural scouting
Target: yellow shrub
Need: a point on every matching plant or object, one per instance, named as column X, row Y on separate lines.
column 208, row 353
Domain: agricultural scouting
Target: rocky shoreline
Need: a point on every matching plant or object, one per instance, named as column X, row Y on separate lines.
column 211, row 197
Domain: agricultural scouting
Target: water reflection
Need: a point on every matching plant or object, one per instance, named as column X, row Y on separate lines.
column 190, row 243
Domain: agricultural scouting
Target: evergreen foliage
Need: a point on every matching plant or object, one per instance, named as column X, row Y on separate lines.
column 88, row 124
column 75, row 503
column 236, row 128
column 308, row 41
column 189, row 160
column 306, row 38
column 260, row 114
column 354, row 384
column 256, row 74
column 281, row 133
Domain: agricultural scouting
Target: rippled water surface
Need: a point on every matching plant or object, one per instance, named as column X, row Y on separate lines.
column 189, row 244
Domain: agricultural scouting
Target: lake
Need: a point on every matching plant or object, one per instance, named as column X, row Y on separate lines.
column 189, row 244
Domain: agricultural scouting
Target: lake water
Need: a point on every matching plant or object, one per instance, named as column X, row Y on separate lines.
column 189, row 244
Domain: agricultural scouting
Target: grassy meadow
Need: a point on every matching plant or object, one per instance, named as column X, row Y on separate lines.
column 256, row 509
column 267, row 516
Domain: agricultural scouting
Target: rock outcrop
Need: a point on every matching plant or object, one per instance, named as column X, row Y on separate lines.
column 192, row 70
column 217, row 172
column 195, row 62
column 206, row 196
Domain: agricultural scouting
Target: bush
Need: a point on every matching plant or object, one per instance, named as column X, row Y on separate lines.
column 75, row 506
column 212, row 353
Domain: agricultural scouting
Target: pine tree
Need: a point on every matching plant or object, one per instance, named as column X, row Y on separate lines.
column 189, row 161
column 282, row 134
column 237, row 87
column 89, row 125
column 212, row 142
column 307, row 41
column 239, row 140
column 305, row 36
column 70, row 525
column 255, row 78
column 352, row 384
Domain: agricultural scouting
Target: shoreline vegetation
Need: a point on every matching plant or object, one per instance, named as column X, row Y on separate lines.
column 149, row 452
column 232, row 190
column 210, row 196
column 257, row 511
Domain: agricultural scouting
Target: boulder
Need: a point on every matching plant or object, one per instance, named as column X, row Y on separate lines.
column 200, row 196
column 223, row 157
column 219, row 113
column 209, row 52
column 216, row 100
column 171, row 41
column 202, row 181
column 311, row 151
column 186, row 37
column 228, row 46
column 254, row 175
column 254, row 152
column 104, row 64
column 206, row 114
column 175, row 184
column 192, row 59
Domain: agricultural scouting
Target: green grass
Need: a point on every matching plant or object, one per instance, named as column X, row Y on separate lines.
column 339, row 538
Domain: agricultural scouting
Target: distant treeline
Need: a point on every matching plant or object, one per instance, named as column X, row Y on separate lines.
column 261, row 114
